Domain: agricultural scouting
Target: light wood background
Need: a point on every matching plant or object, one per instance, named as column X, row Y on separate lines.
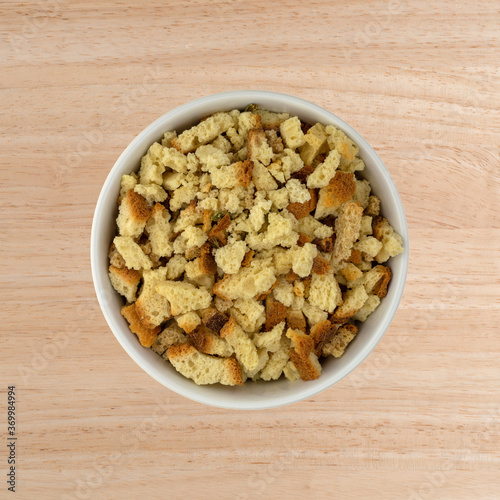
column 419, row 80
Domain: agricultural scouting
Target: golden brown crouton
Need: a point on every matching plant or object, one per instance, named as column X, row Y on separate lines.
column 303, row 173
column 301, row 210
column 291, row 277
column 340, row 189
column 379, row 226
column 207, row 220
column 214, row 319
column 125, row 281
column 207, row 261
column 275, row 142
column 303, row 239
column 243, row 172
column 355, row 257
column 309, row 368
column 275, row 312
column 336, row 346
column 302, row 355
column 346, row 230
column 206, row 341
column 302, row 343
column 377, row 280
column 320, row 266
column 325, row 244
column 296, row 320
column 351, row 272
column 145, row 335
column 133, row 214
column 321, row 333
column 222, row 225
column 248, row 258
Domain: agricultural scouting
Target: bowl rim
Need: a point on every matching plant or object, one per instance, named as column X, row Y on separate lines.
column 252, row 95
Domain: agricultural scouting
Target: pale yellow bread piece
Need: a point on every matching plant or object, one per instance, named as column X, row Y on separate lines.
column 339, row 141
column 290, row 372
column 152, row 166
column 132, row 253
column 279, row 232
column 325, row 293
column 249, row 314
column 291, row 132
column 153, row 308
column 202, row 368
column 184, row 297
column 189, row 321
column 258, row 149
column 277, row 361
column 314, row 140
column 324, row 172
column 369, row 246
column 270, row 119
column 271, row 340
column 371, row 303
column 244, row 348
column 351, row 272
column 391, row 241
column 160, row 231
column 152, row 193
column 127, row 183
column 263, row 359
column 247, row 121
column 262, row 179
column 353, row 300
column 203, row 133
column 248, row 282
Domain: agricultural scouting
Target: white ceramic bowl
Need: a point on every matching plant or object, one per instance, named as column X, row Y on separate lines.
column 258, row 395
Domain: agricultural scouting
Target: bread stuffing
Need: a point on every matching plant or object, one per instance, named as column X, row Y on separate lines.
column 249, row 247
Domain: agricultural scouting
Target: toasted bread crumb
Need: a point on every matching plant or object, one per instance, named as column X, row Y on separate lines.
column 145, row 334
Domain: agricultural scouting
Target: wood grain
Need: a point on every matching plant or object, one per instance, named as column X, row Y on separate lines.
column 419, row 81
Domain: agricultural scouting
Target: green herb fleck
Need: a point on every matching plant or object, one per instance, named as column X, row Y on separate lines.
column 252, row 108
column 218, row 216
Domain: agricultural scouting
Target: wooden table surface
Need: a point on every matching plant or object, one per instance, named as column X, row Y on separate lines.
column 420, row 418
